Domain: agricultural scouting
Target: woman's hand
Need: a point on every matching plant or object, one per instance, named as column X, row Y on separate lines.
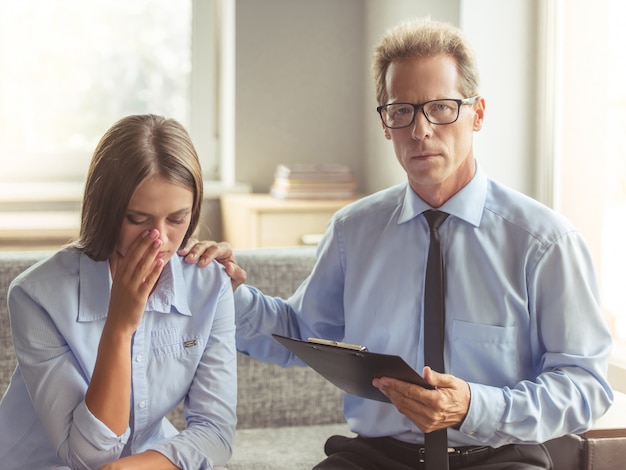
column 134, row 276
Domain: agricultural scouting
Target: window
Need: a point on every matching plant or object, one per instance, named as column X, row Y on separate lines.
column 614, row 220
column 590, row 176
column 71, row 68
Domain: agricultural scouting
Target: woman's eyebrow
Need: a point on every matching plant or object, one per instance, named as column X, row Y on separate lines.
column 184, row 211
column 179, row 212
column 136, row 212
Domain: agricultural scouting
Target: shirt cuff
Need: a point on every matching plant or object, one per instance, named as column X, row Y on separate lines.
column 485, row 412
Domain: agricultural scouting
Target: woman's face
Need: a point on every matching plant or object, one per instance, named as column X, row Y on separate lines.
column 157, row 204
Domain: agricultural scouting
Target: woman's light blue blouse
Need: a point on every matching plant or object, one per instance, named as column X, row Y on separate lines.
column 183, row 350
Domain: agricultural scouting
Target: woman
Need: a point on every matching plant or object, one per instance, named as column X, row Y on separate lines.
column 115, row 331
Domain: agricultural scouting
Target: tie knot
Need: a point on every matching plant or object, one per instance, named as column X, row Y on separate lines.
column 435, row 218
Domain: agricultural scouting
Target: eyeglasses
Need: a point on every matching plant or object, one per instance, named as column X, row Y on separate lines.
column 399, row 115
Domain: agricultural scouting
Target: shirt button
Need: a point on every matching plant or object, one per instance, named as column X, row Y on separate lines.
column 139, row 358
column 142, row 404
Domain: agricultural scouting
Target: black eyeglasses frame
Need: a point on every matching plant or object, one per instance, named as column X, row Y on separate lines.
column 420, row 107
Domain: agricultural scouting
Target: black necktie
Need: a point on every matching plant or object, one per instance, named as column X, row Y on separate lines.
column 436, row 442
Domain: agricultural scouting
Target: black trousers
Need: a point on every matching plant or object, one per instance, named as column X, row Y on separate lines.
column 385, row 453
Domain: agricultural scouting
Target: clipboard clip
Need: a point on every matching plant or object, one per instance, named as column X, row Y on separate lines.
column 338, row 344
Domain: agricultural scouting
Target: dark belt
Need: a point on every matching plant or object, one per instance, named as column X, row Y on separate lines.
column 462, row 456
column 458, row 457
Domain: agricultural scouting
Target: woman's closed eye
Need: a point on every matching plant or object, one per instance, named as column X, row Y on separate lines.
column 137, row 217
column 137, row 220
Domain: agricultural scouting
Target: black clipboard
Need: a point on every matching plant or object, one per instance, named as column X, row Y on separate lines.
column 351, row 369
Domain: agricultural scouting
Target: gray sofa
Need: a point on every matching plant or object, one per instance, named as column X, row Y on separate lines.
column 285, row 415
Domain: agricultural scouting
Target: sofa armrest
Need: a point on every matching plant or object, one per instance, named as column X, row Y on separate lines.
column 604, row 453
column 600, row 448
column 567, row 452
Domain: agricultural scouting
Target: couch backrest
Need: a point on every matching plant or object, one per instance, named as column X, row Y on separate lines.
column 11, row 264
column 271, row 395
column 268, row 395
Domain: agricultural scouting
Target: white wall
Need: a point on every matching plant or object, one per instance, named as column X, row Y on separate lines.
column 299, row 85
column 305, row 92
column 503, row 35
column 382, row 168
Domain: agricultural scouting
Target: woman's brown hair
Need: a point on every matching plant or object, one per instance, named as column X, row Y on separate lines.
column 133, row 149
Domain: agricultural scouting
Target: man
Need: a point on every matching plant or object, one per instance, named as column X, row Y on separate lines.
column 526, row 350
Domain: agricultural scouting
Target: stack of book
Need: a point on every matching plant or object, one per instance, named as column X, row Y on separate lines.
column 313, row 181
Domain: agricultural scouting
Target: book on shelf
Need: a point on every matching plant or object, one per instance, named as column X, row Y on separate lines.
column 313, row 181
column 313, row 171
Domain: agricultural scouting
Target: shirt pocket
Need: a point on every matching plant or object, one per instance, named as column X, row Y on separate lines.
column 485, row 354
column 170, row 343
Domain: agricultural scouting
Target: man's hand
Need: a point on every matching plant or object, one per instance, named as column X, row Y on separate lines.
column 430, row 410
column 203, row 252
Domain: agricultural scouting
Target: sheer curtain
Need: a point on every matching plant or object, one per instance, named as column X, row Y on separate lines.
column 582, row 165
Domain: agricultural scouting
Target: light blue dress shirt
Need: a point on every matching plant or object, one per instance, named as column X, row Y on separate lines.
column 184, row 349
column 523, row 322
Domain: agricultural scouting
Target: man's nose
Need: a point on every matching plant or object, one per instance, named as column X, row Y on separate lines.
column 422, row 128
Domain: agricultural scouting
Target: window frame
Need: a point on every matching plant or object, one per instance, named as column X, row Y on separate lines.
column 554, row 174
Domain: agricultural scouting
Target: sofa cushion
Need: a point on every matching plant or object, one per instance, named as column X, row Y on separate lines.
column 283, row 448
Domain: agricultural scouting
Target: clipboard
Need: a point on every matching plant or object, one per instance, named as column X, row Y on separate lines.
column 351, row 368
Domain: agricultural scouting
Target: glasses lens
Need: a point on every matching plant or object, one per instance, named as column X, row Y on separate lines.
column 398, row 115
column 442, row 111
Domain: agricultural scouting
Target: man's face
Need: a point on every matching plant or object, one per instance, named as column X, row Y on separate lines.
column 438, row 159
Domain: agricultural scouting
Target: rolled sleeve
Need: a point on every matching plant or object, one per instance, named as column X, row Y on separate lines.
column 91, row 442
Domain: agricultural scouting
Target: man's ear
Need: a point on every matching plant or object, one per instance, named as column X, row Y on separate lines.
column 479, row 113
column 386, row 132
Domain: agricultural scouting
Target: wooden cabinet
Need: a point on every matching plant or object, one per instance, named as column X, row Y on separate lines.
column 35, row 231
column 260, row 220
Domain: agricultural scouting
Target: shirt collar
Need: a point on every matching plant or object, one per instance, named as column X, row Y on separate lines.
column 95, row 288
column 467, row 204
